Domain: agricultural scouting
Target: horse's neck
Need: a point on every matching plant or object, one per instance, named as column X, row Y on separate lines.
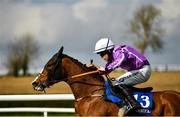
column 71, row 67
column 81, row 86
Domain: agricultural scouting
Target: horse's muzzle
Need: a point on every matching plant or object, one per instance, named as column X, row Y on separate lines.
column 38, row 86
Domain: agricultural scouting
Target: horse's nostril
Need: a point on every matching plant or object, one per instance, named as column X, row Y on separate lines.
column 34, row 83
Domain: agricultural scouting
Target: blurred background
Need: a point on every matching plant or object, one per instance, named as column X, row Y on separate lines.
column 32, row 31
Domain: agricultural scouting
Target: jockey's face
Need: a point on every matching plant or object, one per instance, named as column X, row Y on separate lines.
column 104, row 55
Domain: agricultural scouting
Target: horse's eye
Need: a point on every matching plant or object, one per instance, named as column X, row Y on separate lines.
column 49, row 65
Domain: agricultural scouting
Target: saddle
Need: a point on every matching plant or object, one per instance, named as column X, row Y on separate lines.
column 135, row 89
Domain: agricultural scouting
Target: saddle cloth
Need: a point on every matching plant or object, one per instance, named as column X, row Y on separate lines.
column 144, row 98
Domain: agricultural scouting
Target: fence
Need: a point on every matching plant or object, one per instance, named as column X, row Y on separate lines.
column 48, row 97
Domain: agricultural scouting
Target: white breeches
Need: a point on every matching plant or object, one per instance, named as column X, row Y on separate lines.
column 134, row 77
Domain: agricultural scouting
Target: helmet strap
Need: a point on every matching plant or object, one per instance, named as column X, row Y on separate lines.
column 107, row 44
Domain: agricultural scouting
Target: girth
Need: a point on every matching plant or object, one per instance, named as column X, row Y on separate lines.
column 94, row 95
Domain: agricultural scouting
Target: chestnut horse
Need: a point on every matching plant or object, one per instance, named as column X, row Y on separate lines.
column 88, row 90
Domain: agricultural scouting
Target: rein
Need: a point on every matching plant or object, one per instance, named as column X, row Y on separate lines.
column 83, row 74
column 74, row 76
column 86, row 73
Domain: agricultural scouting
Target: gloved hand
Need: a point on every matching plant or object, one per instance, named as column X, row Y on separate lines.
column 99, row 68
column 91, row 66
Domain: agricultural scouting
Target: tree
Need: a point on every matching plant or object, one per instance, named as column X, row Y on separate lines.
column 146, row 27
column 30, row 50
column 20, row 53
column 14, row 59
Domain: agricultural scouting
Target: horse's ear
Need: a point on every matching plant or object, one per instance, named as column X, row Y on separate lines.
column 60, row 50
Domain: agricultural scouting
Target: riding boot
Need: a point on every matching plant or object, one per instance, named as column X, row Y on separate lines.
column 129, row 99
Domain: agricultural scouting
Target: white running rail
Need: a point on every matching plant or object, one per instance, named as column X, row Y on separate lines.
column 36, row 97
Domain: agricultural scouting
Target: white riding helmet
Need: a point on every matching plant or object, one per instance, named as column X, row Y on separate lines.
column 103, row 44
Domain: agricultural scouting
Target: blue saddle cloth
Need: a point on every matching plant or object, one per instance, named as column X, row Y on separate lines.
column 145, row 99
column 109, row 94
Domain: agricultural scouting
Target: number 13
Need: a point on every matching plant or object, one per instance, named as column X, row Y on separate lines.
column 144, row 99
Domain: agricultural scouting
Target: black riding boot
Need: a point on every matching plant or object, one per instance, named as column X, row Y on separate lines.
column 129, row 99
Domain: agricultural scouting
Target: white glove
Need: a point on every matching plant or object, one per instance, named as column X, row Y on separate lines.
column 100, row 68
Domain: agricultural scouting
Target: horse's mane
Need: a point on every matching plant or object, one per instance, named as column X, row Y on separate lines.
column 76, row 61
column 83, row 66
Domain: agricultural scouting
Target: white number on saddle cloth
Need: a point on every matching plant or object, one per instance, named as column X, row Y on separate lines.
column 145, row 99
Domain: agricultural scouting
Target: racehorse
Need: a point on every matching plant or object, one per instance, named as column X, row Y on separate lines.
column 88, row 90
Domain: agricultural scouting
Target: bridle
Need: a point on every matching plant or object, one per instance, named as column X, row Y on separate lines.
column 55, row 74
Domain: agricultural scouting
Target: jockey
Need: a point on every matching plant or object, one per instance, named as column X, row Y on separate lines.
column 127, row 58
